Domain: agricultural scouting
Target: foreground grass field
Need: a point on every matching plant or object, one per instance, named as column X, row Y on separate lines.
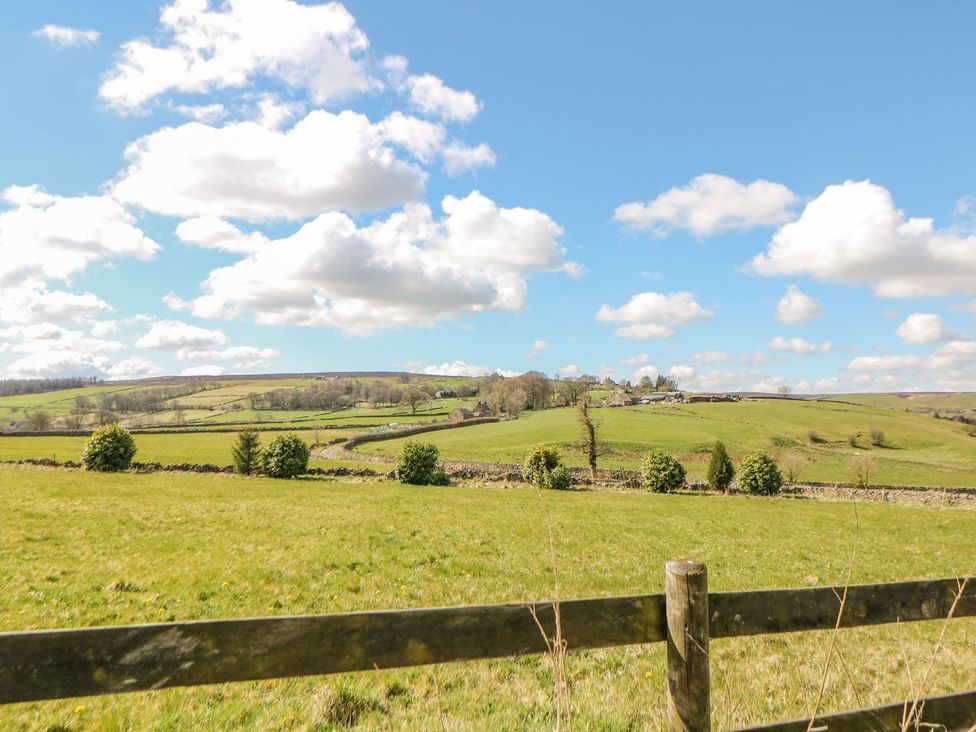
column 918, row 449
column 79, row 549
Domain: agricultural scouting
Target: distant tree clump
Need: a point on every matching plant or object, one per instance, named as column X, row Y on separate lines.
column 110, row 449
column 247, row 453
column 285, row 457
column 721, row 471
column 416, row 464
column 759, row 474
column 543, row 468
column 662, row 473
column 877, row 437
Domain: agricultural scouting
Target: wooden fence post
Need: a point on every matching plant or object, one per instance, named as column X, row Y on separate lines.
column 686, row 598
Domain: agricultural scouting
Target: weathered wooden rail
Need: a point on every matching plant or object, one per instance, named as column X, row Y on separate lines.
column 56, row 664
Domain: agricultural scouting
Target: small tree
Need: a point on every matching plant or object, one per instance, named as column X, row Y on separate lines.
column 588, row 440
column 721, row 471
column 38, row 421
column 877, row 437
column 417, row 464
column 792, row 464
column 860, row 468
column 759, row 474
column 662, row 473
column 285, row 457
column 110, row 449
column 543, row 469
column 413, row 398
column 247, row 452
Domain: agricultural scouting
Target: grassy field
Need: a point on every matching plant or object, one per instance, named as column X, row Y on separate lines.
column 190, row 447
column 918, row 450
column 80, row 549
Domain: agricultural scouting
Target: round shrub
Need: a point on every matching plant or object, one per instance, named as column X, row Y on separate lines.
column 440, row 477
column 285, row 457
column 540, row 461
column 662, row 473
column 543, row 469
column 560, row 479
column 416, row 463
column 759, row 474
column 111, row 448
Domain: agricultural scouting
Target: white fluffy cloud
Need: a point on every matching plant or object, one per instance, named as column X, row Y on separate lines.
column 460, row 158
column 756, row 358
column 640, row 358
column 245, row 170
column 136, row 367
column 885, row 363
column 204, row 370
column 570, row 369
column 709, row 204
column 174, row 335
column 35, row 303
column 923, row 328
column 649, row 371
column 796, row 307
column 242, row 357
column 853, row 233
column 430, row 95
column 61, row 36
column 455, row 368
column 654, row 314
column 408, row 269
column 538, row 346
column 58, row 362
column 317, row 48
column 46, row 237
column 800, row 347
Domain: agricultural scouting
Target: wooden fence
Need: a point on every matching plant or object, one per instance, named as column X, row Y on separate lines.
column 56, row 664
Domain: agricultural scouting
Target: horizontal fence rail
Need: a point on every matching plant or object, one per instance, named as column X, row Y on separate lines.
column 56, row 664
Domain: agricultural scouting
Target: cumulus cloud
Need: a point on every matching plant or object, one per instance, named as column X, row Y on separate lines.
column 136, row 367
column 951, row 366
column 242, row 357
column 538, row 346
column 710, row 204
column 430, row 95
column 204, row 370
column 923, row 328
column 61, row 36
column 406, row 270
column 245, row 170
column 885, row 363
column 175, row 335
column 640, row 358
column 853, row 233
column 459, row 158
column 649, row 371
column 570, row 369
column 755, row 358
column 35, row 303
column 796, row 307
column 654, row 314
column 800, row 347
column 41, row 337
column 58, row 362
column 455, row 368
column 208, row 113
column 316, row 48
column 46, row 237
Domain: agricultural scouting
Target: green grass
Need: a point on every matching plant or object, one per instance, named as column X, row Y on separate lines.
column 188, row 547
column 919, row 450
column 190, row 447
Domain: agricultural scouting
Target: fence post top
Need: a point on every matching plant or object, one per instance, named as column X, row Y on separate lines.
column 685, row 567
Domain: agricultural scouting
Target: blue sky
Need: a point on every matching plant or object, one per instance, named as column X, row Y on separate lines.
column 742, row 197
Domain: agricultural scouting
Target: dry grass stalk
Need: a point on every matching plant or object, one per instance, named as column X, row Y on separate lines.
column 556, row 646
column 912, row 718
column 833, row 636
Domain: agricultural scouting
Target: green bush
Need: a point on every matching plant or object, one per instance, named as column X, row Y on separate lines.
column 417, row 464
column 721, row 471
column 543, row 469
column 247, row 453
column 440, row 477
column 662, row 473
column 111, row 448
column 285, row 457
column 759, row 474
column 560, row 479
